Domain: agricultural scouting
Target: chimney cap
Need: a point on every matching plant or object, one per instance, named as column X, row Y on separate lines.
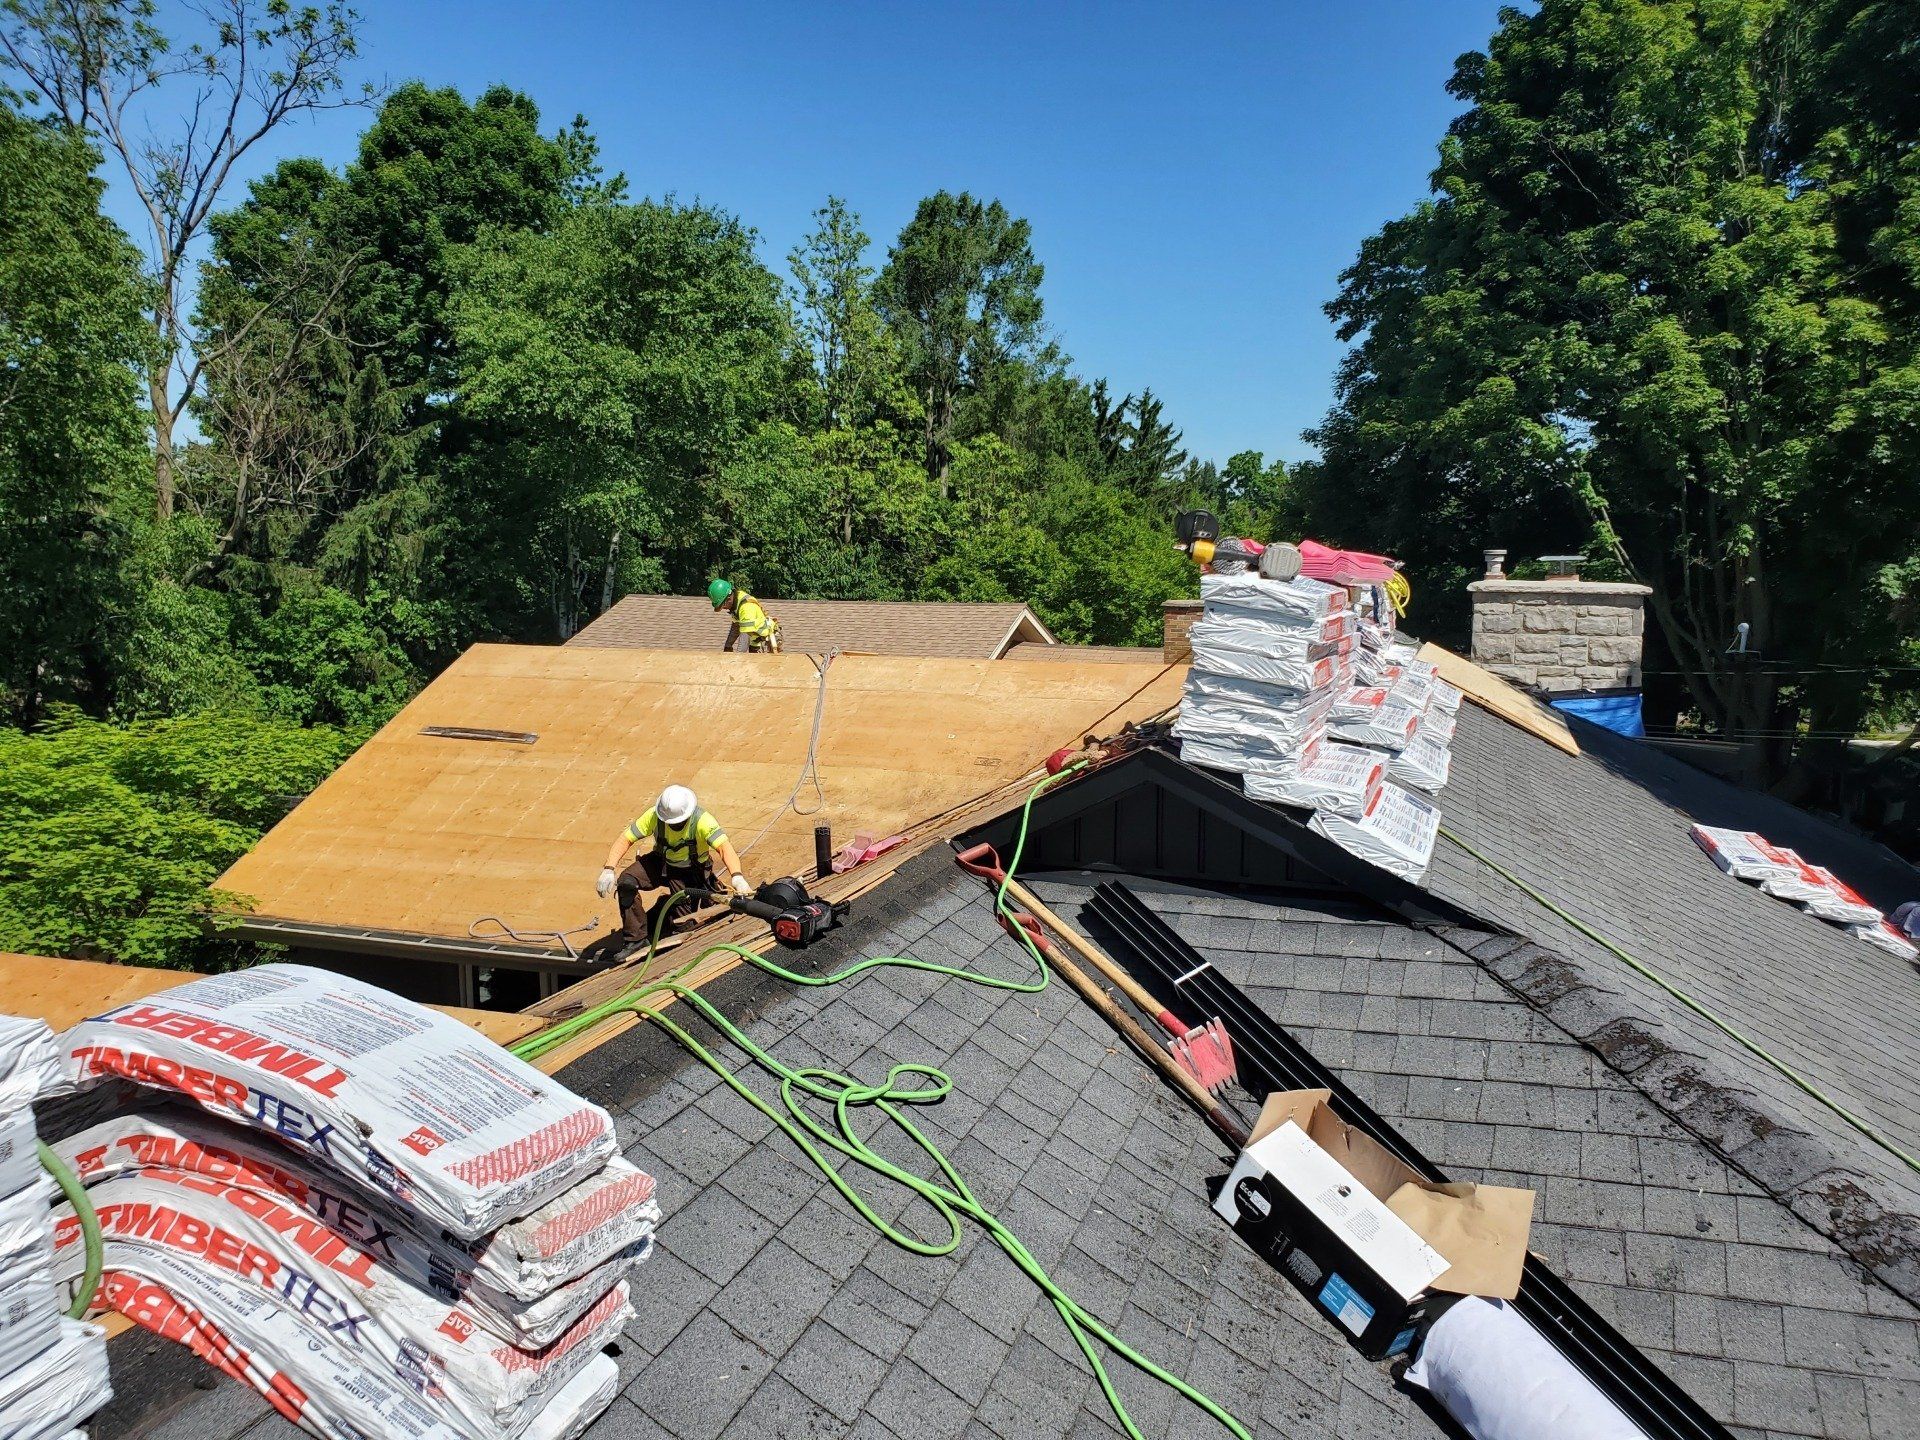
column 1496, row 561
column 1563, row 567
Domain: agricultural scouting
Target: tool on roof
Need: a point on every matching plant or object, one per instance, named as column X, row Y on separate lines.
column 1202, row 1052
column 1128, row 1028
column 796, row 918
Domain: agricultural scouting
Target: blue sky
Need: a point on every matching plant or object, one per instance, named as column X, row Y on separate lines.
column 1197, row 176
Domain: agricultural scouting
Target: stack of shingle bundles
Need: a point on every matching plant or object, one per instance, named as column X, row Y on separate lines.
column 1243, row 726
column 53, row 1371
column 1784, row 874
column 375, row 1216
column 1268, row 658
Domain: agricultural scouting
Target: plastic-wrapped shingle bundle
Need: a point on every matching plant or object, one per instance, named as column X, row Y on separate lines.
column 1884, row 936
column 1446, row 697
column 1302, row 674
column 528, row 1281
column 1286, row 602
column 1840, row 902
column 1438, row 724
column 1328, row 776
column 1371, row 715
column 1396, row 831
column 54, row 1369
column 1245, row 716
column 1424, row 764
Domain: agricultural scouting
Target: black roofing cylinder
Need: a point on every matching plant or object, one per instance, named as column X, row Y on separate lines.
column 822, row 851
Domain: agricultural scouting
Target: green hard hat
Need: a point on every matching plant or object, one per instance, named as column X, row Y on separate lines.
column 718, row 591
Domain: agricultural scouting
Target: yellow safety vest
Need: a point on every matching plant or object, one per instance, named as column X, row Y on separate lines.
column 683, row 845
column 752, row 618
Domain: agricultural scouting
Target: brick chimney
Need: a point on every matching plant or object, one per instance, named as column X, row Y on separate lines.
column 1176, row 619
column 1562, row 634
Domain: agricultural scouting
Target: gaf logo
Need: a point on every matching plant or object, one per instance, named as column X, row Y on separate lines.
column 422, row 1141
column 458, row 1326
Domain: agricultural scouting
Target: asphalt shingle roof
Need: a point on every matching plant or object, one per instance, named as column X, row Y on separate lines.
column 1606, row 835
column 816, row 627
column 769, row 1310
column 1765, row 1321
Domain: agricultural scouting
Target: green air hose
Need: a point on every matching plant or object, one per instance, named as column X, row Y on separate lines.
column 906, row 1084
column 1640, row 967
column 76, row 1194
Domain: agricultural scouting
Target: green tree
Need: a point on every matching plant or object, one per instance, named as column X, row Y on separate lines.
column 1153, row 455
column 110, row 835
column 73, row 463
column 1627, row 293
column 610, row 369
column 961, row 292
column 101, row 67
column 853, row 353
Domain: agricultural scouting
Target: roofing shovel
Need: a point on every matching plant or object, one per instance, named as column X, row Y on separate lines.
column 1204, row 1051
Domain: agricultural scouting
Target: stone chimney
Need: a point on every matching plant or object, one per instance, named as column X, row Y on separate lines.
column 1176, row 619
column 1561, row 634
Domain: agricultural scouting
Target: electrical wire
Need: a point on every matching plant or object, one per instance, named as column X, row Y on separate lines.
column 76, row 1194
column 907, row 1083
column 1752, row 1047
column 810, row 768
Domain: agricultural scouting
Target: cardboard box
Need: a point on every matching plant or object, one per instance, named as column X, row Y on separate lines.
column 1359, row 1232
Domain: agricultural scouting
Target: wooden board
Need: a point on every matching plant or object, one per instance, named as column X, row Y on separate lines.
column 65, row 992
column 1502, row 697
column 427, row 835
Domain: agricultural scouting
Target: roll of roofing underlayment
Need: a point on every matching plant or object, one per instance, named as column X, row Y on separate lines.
column 376, row 1217
column 1500, row 1379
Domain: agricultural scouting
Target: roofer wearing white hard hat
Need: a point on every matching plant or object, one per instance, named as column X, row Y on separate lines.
column 686, row 843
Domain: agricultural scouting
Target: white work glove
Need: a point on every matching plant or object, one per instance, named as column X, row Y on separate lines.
column 604, row 886
column 740, row 885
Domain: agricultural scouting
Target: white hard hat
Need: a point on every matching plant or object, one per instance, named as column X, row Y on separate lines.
column 676, row 805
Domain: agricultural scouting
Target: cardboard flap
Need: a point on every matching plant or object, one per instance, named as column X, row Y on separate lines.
column 1481, row 1229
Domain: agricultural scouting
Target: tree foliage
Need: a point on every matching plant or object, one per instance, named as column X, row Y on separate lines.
column 72, row 461
column 961, row 289
column 110, row 835
column 1633, row 316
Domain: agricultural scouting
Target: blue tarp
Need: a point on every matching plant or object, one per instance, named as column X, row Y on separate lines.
column 1619, row 713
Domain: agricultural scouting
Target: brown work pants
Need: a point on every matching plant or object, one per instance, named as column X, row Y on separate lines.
column 650, row 872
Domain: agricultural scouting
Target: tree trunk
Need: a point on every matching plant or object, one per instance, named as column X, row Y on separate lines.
column 163, row 417
column 607, row 578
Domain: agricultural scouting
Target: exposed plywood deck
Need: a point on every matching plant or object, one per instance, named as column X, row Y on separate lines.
column 65, row 992
column 426, row 835
column 1502, row 697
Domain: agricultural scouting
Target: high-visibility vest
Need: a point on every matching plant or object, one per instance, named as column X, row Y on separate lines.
column 752, row 618
column 681, row 845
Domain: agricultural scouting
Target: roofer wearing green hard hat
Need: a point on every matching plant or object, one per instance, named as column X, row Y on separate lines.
column 686, row 843
column 750, row 618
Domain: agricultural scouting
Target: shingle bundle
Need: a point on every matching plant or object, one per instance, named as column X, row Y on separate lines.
column 54, row 1369
column 1786, row 875
column 378, row 1218
column 1316, row 703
